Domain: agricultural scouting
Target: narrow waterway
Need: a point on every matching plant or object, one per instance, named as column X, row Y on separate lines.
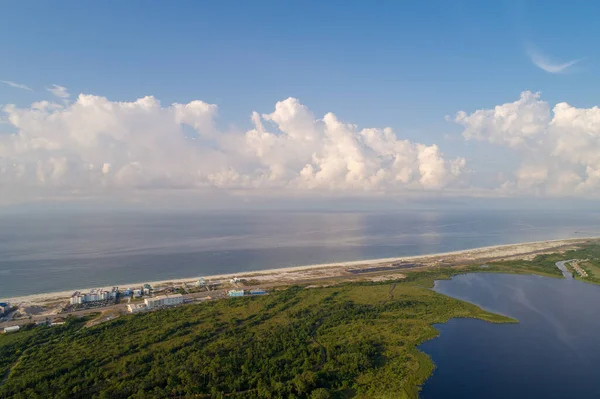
column 552, row 353
column 563, row 268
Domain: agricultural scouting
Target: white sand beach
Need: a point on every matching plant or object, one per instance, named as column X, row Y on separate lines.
column 289, row 274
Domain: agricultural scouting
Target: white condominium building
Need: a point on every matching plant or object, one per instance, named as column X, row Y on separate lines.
column 163, row 300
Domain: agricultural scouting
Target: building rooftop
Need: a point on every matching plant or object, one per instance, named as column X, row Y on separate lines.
column 166, row 296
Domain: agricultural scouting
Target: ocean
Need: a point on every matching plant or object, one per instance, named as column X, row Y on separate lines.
column 63, row 251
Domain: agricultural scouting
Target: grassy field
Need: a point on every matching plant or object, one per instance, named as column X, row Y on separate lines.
column 592, row 268
column 350, row 340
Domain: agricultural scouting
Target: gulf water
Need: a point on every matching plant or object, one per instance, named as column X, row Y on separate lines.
column 54, row 252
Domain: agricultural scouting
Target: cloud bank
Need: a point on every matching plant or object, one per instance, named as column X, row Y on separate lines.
column 559, row 146
column 94, row 146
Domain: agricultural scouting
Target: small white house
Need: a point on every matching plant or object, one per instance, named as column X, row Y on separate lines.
column 11, row 329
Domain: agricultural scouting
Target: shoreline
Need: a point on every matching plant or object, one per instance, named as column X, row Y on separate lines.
column 472, row 255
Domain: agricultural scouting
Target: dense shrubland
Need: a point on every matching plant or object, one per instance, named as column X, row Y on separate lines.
column 351, row 340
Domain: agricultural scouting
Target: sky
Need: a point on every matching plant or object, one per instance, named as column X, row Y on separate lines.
column 235, row 102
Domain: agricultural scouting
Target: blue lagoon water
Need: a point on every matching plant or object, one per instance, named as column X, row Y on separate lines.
column 44, row 253
column 553, row 352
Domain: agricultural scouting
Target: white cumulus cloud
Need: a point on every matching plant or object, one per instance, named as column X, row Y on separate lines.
column 513, row 124
column 95, row 146
column 559, row 146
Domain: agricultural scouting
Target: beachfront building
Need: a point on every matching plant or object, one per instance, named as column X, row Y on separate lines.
column 114, row 293
column 153, row 302
column 136, row 307
column 94, row 295
column 11, row 329
column 235, row 293
column 137, row 293
column 258, row 291
column 4, row 307
column 163, row 300
column 77, row 298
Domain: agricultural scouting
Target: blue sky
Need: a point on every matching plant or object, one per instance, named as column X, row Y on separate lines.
column 400, row 64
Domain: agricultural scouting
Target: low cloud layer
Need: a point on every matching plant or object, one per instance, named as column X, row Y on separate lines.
column 94, row 146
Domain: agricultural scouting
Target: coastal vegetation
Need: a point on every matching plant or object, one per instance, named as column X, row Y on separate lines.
column 592, row 268
column 351, row 340
column 545, row 265
column 590, row 262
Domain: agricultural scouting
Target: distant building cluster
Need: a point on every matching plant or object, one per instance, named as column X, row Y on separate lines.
column 156, row 302
column 150, row 303
column 95, row 295
column 98, row 295
column 146, row 289
column 575, row 264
